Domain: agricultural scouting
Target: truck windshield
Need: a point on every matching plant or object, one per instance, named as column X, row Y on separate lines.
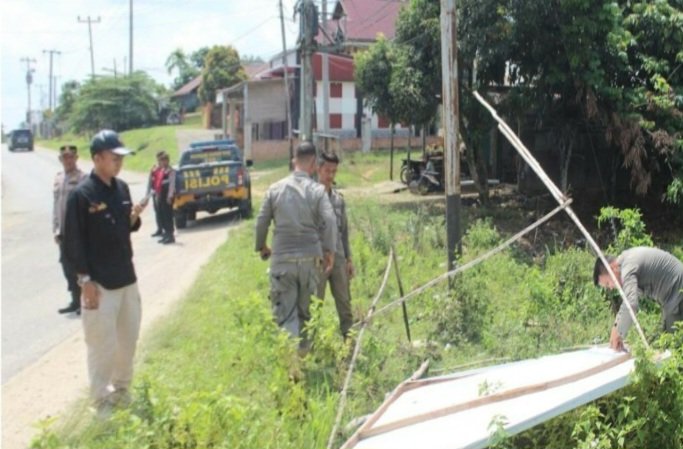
column 209, row 155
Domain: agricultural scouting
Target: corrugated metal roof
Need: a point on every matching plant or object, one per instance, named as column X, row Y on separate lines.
column 189, row 87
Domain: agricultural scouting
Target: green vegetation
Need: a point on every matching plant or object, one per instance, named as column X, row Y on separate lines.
column 219, row 373
column 146, row 142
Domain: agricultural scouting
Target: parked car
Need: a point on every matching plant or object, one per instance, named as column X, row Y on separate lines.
column 211, row 175
column 20, row 138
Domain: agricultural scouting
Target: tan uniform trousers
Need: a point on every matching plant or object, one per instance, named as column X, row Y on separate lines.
column 339, row 285
column 111, row 333
column 292, row 282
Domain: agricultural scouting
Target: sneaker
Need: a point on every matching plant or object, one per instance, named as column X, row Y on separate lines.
column 158, row 233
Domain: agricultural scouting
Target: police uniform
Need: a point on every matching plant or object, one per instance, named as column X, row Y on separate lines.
column 63, row 185
column 305, row 226
column 339, row 276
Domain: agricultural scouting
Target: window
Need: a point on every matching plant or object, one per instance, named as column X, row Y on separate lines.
column 335, row 90
column 335, row 121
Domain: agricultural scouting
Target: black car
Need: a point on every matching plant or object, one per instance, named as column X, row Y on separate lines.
column 20, row 138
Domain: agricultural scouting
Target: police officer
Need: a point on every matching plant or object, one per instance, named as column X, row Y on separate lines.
column 151, row 193
column 164, row 191
column 65, row 182
column 305, row 230
column 99, row 219
column 342, row 270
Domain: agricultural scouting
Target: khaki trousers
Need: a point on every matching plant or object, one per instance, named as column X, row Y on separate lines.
column 292, row 282
column 339, row 285
column 111, row 333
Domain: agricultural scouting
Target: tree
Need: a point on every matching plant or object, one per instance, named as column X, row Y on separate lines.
column 222, row 68
column 117, row 103
column 178, row 61
column 198, row 57
column 373, row 72
column 67, row 99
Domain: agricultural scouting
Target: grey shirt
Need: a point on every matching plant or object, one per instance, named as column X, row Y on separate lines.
column 652, row 273
column 305, row 223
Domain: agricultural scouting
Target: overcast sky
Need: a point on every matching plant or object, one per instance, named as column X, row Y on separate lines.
column 30, row 26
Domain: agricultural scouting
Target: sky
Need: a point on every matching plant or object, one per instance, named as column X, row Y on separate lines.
column 28, row 27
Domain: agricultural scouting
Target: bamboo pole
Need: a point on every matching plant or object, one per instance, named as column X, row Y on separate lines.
column 559, row 196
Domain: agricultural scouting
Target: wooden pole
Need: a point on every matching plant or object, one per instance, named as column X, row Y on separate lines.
column 449, row 67
column 400, row 291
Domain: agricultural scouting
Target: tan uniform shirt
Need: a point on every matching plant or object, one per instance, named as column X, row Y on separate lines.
column 64, row 184
column 305, row 223
column 339, row 205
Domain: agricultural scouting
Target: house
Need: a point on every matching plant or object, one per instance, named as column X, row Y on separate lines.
column 187, row 96
column 360, row 21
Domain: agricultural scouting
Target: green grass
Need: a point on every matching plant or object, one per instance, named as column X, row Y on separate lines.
column 219, row 373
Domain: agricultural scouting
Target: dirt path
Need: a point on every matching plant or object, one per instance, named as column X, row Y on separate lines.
column 47, row 387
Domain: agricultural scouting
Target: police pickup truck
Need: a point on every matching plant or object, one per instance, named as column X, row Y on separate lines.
column 211, row 175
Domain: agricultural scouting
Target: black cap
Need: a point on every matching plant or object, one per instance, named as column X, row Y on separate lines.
column 329, row 157
column 108, row 140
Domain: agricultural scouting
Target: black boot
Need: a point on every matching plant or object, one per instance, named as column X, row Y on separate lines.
column 75, row 305
column 158, row 233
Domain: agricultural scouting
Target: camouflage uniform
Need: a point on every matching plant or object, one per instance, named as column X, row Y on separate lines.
column 339, row 276
column 300, row 209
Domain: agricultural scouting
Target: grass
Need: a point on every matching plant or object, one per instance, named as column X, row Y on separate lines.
column 219, row 373
column 145, row 142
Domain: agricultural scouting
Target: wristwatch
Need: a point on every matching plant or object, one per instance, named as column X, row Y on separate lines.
column 82, row 279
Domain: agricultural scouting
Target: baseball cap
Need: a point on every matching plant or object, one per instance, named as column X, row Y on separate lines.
column 108, row 140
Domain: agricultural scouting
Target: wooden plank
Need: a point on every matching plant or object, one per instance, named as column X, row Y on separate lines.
column 355, row 438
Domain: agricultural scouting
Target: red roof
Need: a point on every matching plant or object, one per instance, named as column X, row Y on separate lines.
column 341, row 67
column 255, row 68
column 364, row 19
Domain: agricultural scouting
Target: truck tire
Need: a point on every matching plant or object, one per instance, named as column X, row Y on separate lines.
column 180, row 220
column 192, row 215
column 245, row 209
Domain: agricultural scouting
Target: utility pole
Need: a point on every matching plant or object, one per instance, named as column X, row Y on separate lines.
column 52, row 53
column 288, row 101
column 308, row 18
column 90, row 21
column 130, row 43
column 326, row 78
column 449, row 72
column 29, row 80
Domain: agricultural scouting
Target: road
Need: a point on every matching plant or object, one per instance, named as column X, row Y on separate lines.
column 40, row 348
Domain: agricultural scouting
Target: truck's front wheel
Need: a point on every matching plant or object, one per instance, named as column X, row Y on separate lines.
column 180, row 220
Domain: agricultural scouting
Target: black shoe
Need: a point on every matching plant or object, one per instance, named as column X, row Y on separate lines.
column 167, row 240
column 158, row 234
column 71, row 308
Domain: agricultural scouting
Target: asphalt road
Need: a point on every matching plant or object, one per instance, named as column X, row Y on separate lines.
column 33, row 287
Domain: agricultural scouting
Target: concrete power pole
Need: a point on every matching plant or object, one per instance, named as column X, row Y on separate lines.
column 52, row 53
column 130, row 43
column 326, row 78
column 308, row 16
column 288, row 100
column 90, row 21
column 29, row 80
column 449, row 67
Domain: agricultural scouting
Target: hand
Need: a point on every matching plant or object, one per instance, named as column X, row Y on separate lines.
column 265, row 253
column 144, row 201
column 328, row 261
column 137, row 210
column 615, row 341
column 350, row 269
column 90, row 296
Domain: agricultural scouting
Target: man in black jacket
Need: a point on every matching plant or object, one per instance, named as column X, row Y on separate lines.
column 99, row 219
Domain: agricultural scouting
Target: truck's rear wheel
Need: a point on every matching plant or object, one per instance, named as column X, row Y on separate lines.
column 245, row 208
column 180, row 220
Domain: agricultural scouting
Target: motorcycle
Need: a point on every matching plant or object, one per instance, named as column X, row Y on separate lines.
column 428, row 181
